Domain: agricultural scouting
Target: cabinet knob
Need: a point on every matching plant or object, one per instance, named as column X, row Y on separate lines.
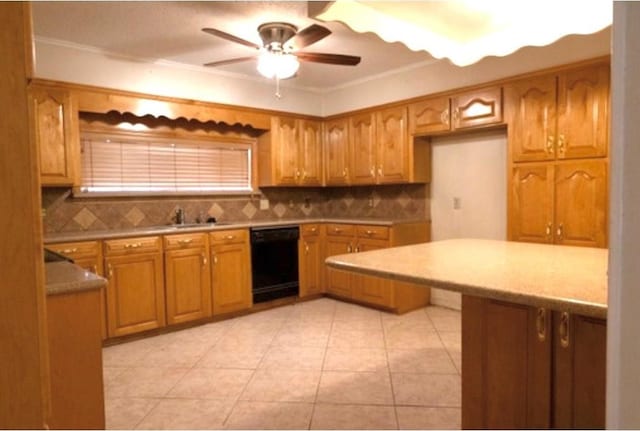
column 349, row 248
column 541, row 324
column 549, row 145
column 380, row 172
column 372, row 171
column 229, row 237
column 562, row 143
column 297, row 173
column 306, row 247
column 185, row 241
column 369, row 232
column 563, row 329
column 133, row 245
column 560, row 232
column 204, row 259
column 548, row 229
column 109, row 271
column 313, row 229
column 357, row 250
column 68, row 250
column 214, row 258
column 344, row 172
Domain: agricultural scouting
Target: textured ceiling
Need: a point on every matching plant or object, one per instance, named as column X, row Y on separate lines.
column 150, row 31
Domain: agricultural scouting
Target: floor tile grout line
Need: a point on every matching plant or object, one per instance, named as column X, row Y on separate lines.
column 393, row 394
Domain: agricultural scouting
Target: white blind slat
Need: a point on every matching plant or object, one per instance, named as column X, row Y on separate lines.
column 138, row 165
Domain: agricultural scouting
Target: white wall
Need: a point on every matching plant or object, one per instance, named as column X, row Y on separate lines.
column 471, row 168
column 623, row 336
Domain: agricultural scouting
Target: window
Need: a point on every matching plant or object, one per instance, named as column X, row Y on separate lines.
column 115, row 164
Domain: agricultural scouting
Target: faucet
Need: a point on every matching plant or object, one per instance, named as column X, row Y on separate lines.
column 179, row 217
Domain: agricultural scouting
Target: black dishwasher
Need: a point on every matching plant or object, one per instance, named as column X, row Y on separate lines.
column 274, row 262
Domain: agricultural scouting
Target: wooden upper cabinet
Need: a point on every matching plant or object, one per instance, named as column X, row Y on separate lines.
column 362, row 149
column 393, row 147
column 430, row 116
column 336, row 150
column 55, row 119
column 310, row 153
column 531, row 115
column 291, row 154
column 583, row 112
column 285, row 147
column 581, row 203
column 476, row 108
column 531, row 209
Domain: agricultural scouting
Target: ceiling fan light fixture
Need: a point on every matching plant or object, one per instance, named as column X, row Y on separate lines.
column 277, row 65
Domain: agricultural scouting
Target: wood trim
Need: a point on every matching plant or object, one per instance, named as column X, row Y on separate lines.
column 24, row 357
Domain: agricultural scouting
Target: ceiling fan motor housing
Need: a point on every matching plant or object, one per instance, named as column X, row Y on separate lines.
column 275, row 34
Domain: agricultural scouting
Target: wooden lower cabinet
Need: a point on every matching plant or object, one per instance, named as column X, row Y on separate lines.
column 230, row 271
column 87, row 255
column 135, row 293
column 391, row 295
column 311, row 259
column 527, row 367
column 75, row 355
column 187, row 277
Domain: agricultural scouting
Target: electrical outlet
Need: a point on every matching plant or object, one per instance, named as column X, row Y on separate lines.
column 457, row 203
column 264, row 204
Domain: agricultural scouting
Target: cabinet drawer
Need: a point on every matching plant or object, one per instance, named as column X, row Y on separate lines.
column 229, row 236
column 187, row 240
column 77, row 250
column 149, row 244
column 374, row 232
column 341, row 229
column 309, row 230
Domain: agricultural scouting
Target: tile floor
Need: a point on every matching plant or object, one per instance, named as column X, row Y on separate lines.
column 321, row 364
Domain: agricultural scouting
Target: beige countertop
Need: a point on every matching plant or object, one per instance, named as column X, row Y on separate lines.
column 65, row 277
column 564, row 278
column 205, row 227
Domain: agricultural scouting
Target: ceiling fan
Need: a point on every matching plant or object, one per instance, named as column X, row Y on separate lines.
column 279, row 55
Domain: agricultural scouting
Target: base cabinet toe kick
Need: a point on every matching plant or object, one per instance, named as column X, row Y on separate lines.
column 530, row 367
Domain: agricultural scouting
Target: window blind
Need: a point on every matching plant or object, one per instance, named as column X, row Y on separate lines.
column 113, row 164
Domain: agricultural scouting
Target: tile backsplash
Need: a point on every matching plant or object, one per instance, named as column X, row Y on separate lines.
column 64, row 213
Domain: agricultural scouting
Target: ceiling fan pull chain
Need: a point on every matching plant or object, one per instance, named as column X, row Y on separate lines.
column 278, row 95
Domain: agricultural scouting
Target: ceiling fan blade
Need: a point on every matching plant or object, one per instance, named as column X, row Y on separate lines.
column 309, row 35
column 230, row 37
column 316, row 57
column 230, row 61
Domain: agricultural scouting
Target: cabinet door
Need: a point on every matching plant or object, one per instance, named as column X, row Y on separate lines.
column 188, row 288
column 311, row 265
column 135, row 293
column 429, row 116
column 580, row 362
column 95, row 265
column 531, row 203
column 310, row 153
column 336, row 150
column 230, row 278
column 338, row 282
column 583, row 112
column 506, row 364
column 362, row 149
column 372, row 290
column 56, row 135
column 531, row 116
column 285, row 150
column 477, row 108
column 581, row 203
column 393, row 146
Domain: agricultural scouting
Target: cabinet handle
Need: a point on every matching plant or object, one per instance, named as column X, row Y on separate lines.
column 304, row 174
column 344, row 173
column 185, row 241
column 561, row 144
column 563, row 329
column 560, row 232
column 444, row 117
column 306, row 247
column 369, row 232
column 550, row 141
column 109, row 271
column 541, row 324
column 313, row 230
column 229, row 237
column 337, row 230
column 548, row 229
column 372, row 171
column 68, row 250
column 297, row 173
column 214, row 258
column 380, row 171
column 349, row 248
column 133, row 245
column 204, row 259
column 357, row 250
